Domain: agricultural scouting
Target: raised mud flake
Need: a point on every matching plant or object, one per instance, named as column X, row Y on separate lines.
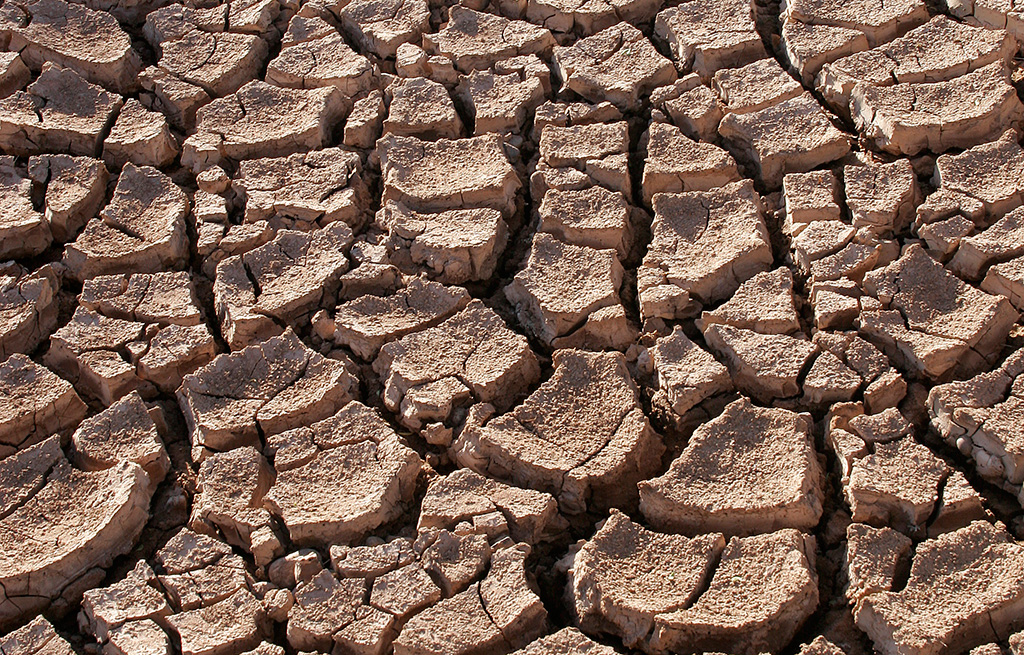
column 196, row 51
column 990, row 174
column 134, row 598
column 883, row 387
column 537, row 291
column 421, row 108
column 476, row 41
column 262, row 120
column 881, row 197
column 367, row 323
column 625, row 576
column 595, row 217
column 304, row 190
column 708, row 35
column 494, row 616
column 281, row 282
column 687, row 374
column 580, row 436
column 454, row 246
column 316, row 505
column 676, row 163
column 231, row 626
column 939, row 50
column 565, row 641
column 618, row 64
column 1002, row 241
column 583, row 155
column 934, row 308
column 122, row 432
column 765, row 303
column 908, row 118
column 24, row 232
column 750, row 470
column 380, row 26
column 965, row 589
column 793, row 136
column 809, row 47
column 37, row 637
column 448, row 174
column 500, row 103
column 269, row 387
column 74, row 36
column 36, row 404
column 28, row 309
column 59, row 112
column 755, row 86
column 763, row 590
column 167, row 298
column 76, row 188
column 323, row 606
column 879, row 21
column 141, row 137
column 229, row 502
column 14, row 74
column 465, row 495
column 326, row 61
column 981, row 417
column 588, row 17
column 64, row 528
column 873, row 559
column 471, row 357
column 810, row 197
column 704, row 245
column 142, row 230
column 692, row 107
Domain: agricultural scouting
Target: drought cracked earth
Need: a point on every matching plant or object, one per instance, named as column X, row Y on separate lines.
column 511, row 326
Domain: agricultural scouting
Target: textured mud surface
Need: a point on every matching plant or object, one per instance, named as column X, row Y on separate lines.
column 511, row 326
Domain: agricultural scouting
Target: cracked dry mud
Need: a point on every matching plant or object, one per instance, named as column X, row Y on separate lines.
column 494, row 327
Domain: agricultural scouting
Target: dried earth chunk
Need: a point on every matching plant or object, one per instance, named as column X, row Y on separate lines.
column 464, row 495
column 908, row 118
column 59, row 112
column 24, row 232
column 617, row 64
column 421, row 108
column 367, row 323
column 939, row 50
column 705, row 244
column 437, row 176
column 675, row 163
column 566, row 641
column 141, row 137
column 454, row 246
column 380, row 26
column 75, row 36
column 167, row 298
column 476, row 41
column 61, row 527
column 76, row 188
column 316, row 505
column 755, row 86
column 792, row 136
column 266, row 388
column 990, row 174
column 965, row 589
column 625, row 576
column 471, row 357
column 142, row 230
column 708, row 35
column 537, row 291
column 28, row 310
column 765, row 303
column 593, row 217
column 935, row 323
column 581, row 156
column 261, row 120
column 323, row 62
column 763, row 590
column 750, row 470
column 36, row 404
column 499, row 103
column 496, row 615
column 687, row 374
column 283, row 281
column 879, row 21
column 580, row 436
column 881, row 197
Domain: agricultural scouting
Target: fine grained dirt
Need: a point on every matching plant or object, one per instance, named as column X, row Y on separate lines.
column 479, row 327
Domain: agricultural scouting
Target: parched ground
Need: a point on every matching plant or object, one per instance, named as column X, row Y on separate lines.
column 543, row 327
